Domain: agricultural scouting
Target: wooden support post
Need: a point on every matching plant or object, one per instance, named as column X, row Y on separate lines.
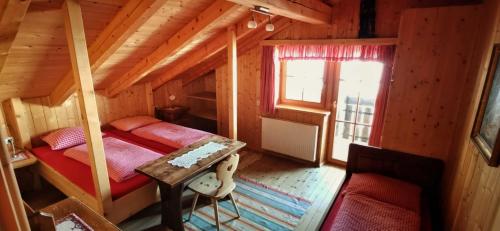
column 86, row 96
column 12, row 213
column 149, row 98
column 232, row 73
column 15, row 115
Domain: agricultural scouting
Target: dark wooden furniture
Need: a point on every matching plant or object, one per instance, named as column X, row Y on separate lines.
column 70, row 205
column 423, row 171
column 172, row 179
column 171, row 113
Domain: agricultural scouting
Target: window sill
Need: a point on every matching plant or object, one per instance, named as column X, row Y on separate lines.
column 303, row 109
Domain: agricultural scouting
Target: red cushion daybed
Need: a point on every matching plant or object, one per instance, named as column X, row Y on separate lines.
column 80, row 174
column 387, row 190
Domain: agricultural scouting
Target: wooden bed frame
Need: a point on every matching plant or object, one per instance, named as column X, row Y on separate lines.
column 120, row 209
column 425, row 172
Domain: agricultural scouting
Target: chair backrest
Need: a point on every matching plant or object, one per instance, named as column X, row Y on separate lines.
column 225, row 171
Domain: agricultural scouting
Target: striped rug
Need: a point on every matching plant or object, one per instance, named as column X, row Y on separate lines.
column 261, row 208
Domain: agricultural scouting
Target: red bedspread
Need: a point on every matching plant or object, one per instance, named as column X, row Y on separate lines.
column 359, row 212
column 81, row 175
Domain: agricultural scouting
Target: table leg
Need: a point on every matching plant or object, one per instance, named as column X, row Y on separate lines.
column 171, row 206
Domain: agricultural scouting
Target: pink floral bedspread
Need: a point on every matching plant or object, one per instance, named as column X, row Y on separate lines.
column 121, row 157
column 170, row 134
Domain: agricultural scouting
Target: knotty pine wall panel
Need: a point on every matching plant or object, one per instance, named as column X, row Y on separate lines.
column 471, row 188
column 430, row 72
column 39, row 117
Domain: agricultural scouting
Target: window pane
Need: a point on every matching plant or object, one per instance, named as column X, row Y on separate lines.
column 304, row 80
column 343, row 137
column 362, row 134
column 347, row 100
column 294, row 88
column 365, row 111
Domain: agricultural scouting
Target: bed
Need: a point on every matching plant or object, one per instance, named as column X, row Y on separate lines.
column 75, row 179
column 81, row 175
column 356, row 210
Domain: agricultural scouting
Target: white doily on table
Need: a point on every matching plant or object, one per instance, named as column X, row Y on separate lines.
column 193, row 156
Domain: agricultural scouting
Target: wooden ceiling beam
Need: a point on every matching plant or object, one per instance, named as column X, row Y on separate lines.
column 132, row 16
column 12, row 13
column 244, row 46
column 204, row 52
column 310, row 11
column 219, row 10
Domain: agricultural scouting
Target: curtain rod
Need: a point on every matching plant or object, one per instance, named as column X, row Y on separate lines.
column 369, row 41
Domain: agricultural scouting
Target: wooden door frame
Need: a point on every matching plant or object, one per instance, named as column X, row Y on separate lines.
column 334, row 92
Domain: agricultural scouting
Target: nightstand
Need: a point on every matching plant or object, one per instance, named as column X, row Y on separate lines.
column 171, row 113
column 30, row 160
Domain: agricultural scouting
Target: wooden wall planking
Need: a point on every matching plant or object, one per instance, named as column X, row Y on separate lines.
column 181, row 91
column 345, row 24
column 39, row 117
column 471, row 188
column 430, row 72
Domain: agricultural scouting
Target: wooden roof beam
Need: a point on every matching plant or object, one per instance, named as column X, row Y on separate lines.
column 204, row 52
column 310, row 11
column 132, row 16
column 246, row 44
column 219, row 10
column 12, row 13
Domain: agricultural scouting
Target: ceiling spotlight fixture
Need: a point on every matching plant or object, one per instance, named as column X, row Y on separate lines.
column 269, row 25
column 262, row 9
column 252, row 24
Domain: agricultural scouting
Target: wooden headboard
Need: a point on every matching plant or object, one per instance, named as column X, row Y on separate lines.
column 423, row 171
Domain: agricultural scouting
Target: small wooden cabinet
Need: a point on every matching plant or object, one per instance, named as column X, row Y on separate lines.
column 171, row 113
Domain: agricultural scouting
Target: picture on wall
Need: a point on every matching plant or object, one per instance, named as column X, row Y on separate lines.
column 487, row 125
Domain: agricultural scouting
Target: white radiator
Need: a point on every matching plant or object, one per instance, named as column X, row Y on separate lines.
column 289, row 138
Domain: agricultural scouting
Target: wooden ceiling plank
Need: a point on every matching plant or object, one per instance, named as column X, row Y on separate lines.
column 215, row 12
column 244, row 45
column 12, row 13
column 204, row 52
column 132, row 16
column 309, row 11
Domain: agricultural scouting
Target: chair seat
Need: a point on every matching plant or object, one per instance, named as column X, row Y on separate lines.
column 206, row 185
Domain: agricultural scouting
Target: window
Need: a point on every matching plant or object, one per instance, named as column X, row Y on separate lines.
column 357, row 91
column 303, row 82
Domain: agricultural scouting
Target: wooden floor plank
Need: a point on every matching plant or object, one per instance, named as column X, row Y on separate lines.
column 318, row 185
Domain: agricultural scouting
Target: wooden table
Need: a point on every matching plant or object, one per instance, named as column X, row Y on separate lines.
column 71, row 205
column 172, row 179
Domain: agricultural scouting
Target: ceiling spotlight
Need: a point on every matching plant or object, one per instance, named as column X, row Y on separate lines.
column 252, row 24
column 262, row 9
column 269, row 25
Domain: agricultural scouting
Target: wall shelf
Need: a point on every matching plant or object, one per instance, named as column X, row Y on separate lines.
column 205, row 114
column 206, row 95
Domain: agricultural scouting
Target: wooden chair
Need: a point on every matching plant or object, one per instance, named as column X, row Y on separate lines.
column 217, row 185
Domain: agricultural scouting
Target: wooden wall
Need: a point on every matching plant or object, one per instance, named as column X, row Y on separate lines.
column 345, row 25
column 471, row 188
column 37, row 117
column 181, row 90
column 430, row 72
column 162, row 94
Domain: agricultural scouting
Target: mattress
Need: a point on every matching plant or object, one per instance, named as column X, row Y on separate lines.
column 81, row 175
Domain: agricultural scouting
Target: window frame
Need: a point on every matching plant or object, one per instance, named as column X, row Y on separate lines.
column 301, row 103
